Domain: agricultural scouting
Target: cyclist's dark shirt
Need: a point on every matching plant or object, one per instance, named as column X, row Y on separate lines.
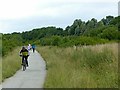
column 24, row 52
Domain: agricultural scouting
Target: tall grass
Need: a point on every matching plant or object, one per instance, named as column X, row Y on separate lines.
column 11, row 63
column 0, row 57
column 0, row 69
column 84, row 67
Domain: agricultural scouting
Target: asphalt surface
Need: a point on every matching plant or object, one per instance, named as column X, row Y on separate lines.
column 33, row 77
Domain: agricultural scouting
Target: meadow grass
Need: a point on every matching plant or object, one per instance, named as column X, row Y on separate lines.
column 11, row 63
column 0, row 58
column 84, row 67
column 0, row 69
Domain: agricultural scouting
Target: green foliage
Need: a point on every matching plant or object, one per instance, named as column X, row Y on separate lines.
column 110, row 33
column 41, row 32
column 79, row 33
column 93, row 27
column 106, row 32
column 10, row 41
column 71, row 41
column 56, row 40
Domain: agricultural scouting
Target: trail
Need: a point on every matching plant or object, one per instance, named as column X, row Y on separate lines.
column 33, row 77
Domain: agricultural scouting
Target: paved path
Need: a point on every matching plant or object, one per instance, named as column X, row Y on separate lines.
column 33, row 77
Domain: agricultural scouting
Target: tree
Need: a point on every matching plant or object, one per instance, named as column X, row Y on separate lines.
column 90, row 24
column 94, row 22
column 82, row 27
column 109, row 19
column 100, row 24
column 77, row 30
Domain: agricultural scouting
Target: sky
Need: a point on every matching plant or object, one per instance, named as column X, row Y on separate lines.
column 25, row 15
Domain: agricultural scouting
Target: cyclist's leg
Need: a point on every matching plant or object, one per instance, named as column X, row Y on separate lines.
column 33, row 49
column 26, row 57
column 23, row 59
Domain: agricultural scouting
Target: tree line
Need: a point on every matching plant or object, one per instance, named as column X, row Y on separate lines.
column 79, row 33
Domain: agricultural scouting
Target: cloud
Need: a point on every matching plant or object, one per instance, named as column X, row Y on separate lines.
column 12, row 9
column 20, row 15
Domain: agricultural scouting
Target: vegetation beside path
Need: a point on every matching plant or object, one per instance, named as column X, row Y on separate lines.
column 11, row 63
column 87, row 67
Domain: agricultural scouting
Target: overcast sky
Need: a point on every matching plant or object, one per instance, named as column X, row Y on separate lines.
column 25, row 15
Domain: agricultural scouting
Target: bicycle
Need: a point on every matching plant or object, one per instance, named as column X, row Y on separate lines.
column 24, row 65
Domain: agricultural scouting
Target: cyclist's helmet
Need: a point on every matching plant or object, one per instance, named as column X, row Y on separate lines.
column 23, row 47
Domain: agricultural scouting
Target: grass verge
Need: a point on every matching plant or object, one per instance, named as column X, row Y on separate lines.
column 84, row 67
column 10, row 64
column 0, row 69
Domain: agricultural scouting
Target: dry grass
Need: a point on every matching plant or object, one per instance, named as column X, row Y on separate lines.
column 86, row 67
column 0, row 58
column 0, row 69
column 11, row 63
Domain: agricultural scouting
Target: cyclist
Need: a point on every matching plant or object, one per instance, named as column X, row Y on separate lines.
column 24, row 53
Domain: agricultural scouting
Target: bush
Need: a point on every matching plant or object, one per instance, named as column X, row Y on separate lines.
column 71, row 41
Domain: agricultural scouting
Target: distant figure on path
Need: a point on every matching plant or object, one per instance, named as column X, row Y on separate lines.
column 29, row 47
column 33, row 47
